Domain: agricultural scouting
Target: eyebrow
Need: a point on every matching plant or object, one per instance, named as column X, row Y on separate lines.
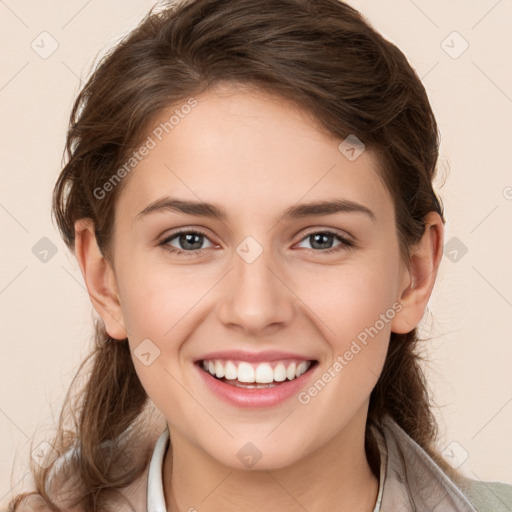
column 213, row 211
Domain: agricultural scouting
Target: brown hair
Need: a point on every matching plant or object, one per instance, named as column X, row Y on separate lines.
column 322, row 55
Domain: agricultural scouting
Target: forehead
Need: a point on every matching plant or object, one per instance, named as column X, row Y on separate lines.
column 251, row 152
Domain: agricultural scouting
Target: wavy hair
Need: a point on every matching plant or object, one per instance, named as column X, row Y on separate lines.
column 324, row 56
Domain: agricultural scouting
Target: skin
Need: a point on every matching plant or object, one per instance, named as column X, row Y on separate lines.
column 255, row 155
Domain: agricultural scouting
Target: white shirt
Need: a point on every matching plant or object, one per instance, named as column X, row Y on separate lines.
column 156, row 500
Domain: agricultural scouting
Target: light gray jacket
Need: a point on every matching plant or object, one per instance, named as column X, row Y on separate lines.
column 410, row 481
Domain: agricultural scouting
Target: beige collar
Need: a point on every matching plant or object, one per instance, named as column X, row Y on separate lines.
column 413, row 482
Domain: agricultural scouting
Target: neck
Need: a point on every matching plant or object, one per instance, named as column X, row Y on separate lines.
column 336, row 476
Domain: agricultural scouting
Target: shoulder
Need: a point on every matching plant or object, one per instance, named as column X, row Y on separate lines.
column 131, row 498
column 427, row 480
column 486, row 496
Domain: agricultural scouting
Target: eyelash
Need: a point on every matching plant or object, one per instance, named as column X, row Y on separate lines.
column 345, row 243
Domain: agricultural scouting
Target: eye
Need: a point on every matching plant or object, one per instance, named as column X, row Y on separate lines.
column 189, row 242
column 322, row 240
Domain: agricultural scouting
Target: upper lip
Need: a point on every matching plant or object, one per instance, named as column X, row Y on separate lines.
column 242, row 355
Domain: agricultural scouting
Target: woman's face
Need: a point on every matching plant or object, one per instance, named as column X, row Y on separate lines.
column 270, row 283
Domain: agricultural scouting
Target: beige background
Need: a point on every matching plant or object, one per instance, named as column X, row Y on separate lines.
column 45, row 310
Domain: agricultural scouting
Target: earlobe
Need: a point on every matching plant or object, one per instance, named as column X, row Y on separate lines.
column 425, row 258
column 99, row 278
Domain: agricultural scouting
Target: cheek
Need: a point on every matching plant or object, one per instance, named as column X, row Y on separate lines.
column 156, row 296
column 348, row 299
column 356, row 326
column 354, row 307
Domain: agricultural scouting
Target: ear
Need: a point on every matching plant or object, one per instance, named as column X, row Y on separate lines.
column 419, row 279
column 99, row 278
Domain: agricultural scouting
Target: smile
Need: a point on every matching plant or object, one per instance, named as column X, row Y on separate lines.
column 255, row 384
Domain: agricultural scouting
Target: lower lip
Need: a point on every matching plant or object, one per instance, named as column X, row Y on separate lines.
column 253, row 398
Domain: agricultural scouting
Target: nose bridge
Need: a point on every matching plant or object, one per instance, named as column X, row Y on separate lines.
column 256, row 297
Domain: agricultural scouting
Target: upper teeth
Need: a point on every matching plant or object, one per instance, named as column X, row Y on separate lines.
column 262, row 373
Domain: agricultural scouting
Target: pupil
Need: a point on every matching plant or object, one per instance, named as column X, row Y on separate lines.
column 318, row 237
column 187, row 240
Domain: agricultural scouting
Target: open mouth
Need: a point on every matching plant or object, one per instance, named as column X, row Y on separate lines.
column 256, row 376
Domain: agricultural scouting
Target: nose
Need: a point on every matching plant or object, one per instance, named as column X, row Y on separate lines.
column 256, row 296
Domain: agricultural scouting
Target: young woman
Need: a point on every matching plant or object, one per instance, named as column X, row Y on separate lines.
column 249, row 195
